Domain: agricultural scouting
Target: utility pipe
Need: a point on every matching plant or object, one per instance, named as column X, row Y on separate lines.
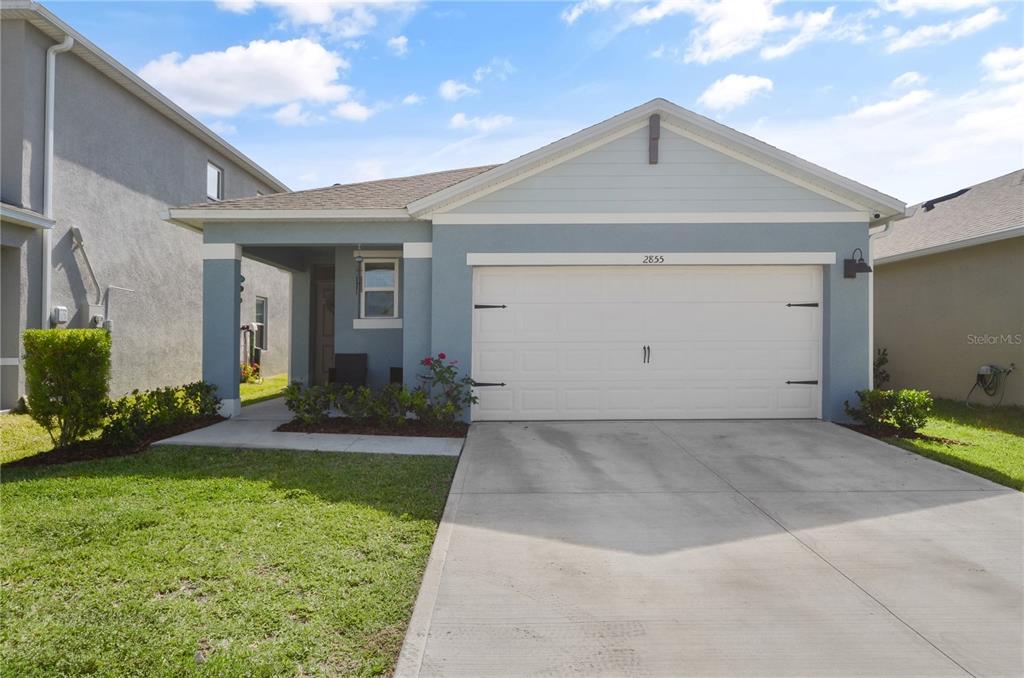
column 873, row 235
column 51, row 67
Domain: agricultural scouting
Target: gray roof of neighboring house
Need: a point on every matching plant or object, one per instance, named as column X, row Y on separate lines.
column 984, row 212
column 379, row 194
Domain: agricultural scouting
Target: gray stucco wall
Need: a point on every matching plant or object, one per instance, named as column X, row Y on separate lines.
column 845, row 311
column 118, row 165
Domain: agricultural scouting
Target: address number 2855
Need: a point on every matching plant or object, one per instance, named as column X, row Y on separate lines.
column 653, row 259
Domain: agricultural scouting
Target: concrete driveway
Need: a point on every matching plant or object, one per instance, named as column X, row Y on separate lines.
column 782, row 548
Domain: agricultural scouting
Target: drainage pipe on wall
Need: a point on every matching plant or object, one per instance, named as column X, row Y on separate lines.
column 51, row 67
column 873, row 235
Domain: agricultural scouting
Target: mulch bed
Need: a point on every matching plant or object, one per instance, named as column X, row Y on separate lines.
column 344, row 425
column 883, row 434
column 86, row 450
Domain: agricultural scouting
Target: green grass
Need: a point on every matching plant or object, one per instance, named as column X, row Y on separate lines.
column 21, row 437
column 270, row 388
column 200, row 561
column 994, row 437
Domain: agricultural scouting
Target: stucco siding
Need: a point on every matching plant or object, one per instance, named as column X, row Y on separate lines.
column 942, row 316
column 118, row 165
column 617, row 177
column 845, row 341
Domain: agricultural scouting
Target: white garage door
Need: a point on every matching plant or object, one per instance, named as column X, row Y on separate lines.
column 661, row 342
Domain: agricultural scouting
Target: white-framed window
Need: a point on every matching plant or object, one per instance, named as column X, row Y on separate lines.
column 261, row 323
column 378, row 294
column 214, row 182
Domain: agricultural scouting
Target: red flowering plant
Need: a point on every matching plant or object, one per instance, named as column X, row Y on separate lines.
column 251, row 373
column 446, row 393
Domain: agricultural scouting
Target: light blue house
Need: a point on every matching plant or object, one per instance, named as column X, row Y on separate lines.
column 655, row 265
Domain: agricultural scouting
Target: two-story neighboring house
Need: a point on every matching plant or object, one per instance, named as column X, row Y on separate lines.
column 91, row 157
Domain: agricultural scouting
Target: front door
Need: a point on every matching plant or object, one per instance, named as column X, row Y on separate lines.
column 323, row 339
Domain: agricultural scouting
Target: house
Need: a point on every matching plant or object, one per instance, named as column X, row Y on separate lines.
column 655, row 265
column 83, row 243
column 949, row 291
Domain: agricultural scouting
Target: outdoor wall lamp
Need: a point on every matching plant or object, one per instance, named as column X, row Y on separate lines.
column 359, row 273
column 851, row 267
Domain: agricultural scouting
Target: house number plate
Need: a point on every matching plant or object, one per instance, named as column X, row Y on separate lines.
column 654, row 259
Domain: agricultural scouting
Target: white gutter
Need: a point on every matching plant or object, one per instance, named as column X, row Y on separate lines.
column 51, row 68
column 873, row 234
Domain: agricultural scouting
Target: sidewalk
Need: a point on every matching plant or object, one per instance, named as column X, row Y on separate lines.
column 254, row 429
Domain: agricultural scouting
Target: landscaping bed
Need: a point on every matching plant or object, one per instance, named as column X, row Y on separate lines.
column 346, row 425
column 185, row 561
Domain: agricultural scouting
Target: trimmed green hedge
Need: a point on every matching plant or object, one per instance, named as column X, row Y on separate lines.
column 67, row 373
column 136, row 415
column 902, row 412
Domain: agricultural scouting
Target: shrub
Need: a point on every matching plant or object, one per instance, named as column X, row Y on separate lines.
column 357, row 402
column 309, row 404
column 881, row 374
column 131, row 418
column 902, row 412
column 67, row 373
column 447, row 395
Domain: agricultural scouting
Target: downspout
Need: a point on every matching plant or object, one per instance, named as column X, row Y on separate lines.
column 51, row 67
column 880, row 232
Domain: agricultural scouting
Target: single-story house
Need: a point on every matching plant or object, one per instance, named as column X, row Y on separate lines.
column 949, row 291
column 655, row 265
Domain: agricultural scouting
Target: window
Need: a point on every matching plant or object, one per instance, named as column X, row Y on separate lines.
column 214, row 182
column 261, row 323
column 379, row 289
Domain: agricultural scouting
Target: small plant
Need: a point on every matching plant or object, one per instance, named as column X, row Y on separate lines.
column 67, row 373
column 251, row 373
column 357, row 402
column 881, row 374
column 447, row 395
column 309, row 404
column 131, row 418
column 901, row 412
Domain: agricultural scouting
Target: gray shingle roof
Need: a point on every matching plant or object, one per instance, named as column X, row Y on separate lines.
column 380, row 194
column 989, row 207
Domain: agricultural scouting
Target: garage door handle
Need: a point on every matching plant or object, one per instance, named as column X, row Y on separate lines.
column 812, row 304
column 803, row 382
column 488, row 383
column 489, row 306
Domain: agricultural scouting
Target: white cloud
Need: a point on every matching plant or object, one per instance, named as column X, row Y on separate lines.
column 908, row 79
column 882, row 109
column 262, row 73
column 483, row 124
column 412, row 99
column 354, row 111
column 811, row 26
column 223, row 128
column 293, row 114
column 572, row 13
column 1004, row 64
column 399, row 45
column 341, row 19
column 937, row 34
column 733, row 90
column 453, row 90
column 912, row 7
column 497, row 68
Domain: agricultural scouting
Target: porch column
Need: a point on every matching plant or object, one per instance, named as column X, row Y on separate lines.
column 298, row 357
column 417, row 261
column 222, row 275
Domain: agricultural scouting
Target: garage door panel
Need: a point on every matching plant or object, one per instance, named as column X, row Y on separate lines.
column 722, row 342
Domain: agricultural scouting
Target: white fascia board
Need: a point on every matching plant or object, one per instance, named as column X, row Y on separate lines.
column 199, row 214
column 1005, row 234
column 24, row 217
column 647, row 258
column 653, row 218
column 601, row 133
column 54, row 27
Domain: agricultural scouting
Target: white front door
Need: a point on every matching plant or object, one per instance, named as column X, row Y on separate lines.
column 659, row 342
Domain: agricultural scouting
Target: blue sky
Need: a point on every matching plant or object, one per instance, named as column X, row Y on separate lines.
column 913, row 97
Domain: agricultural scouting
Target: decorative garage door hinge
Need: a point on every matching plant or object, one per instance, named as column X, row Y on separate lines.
column 812, row 304
column 803, row 382
column 488, row 383
column 489, row 306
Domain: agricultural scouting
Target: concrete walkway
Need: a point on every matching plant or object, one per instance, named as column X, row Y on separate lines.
column 772, row 548
column 254, row 429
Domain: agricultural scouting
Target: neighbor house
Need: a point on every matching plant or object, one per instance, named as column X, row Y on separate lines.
column 83, row 243
column 655, row 265
column 949, row 291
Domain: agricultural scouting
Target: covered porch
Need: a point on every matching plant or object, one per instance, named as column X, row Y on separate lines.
column 360, row 289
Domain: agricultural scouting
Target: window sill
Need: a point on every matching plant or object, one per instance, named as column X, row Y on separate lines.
column 376, row 323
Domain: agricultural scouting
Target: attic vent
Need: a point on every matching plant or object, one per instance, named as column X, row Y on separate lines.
column 930, row 205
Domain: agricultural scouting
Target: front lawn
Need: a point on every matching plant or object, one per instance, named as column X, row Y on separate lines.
column 21, row 437
column 183, row 561
column 270, row 387
column 994, row 440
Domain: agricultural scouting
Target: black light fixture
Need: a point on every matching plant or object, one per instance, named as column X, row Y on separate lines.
column 359, row 270
column 851, row 267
